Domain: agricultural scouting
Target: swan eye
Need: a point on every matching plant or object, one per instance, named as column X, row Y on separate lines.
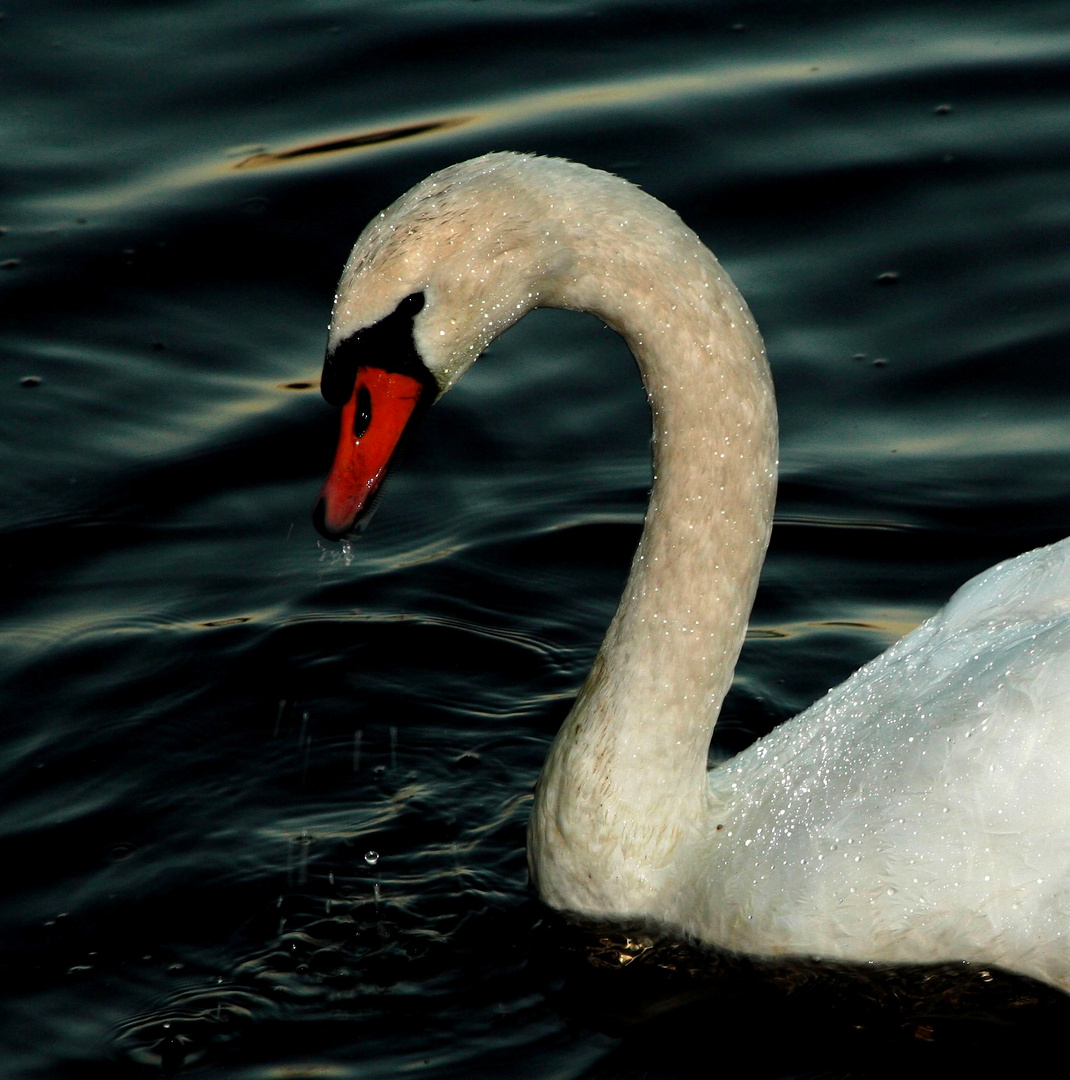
column 387, row 344
column 363, row 416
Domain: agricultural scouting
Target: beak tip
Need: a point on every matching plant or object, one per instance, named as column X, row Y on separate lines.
column 319, row 519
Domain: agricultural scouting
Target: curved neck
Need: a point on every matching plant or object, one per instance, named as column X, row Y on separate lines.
column 625, row 777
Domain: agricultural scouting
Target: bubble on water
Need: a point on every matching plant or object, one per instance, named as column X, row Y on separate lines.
column 371, row 857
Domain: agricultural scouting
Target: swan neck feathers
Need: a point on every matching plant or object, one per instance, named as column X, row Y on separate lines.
column 485, row 242
column 918, row 812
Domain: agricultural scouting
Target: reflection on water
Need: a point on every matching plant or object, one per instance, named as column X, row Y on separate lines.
column 211, row 717
column 350, row 142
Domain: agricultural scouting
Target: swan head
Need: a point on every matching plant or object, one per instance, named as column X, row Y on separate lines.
column 430, row 283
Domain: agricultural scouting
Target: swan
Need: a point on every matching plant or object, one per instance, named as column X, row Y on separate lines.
column 920, row 811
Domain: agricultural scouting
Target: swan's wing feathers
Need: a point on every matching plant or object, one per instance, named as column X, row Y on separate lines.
column 923, row 802
column 1034, row 586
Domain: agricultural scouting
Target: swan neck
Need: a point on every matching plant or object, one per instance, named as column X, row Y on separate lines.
column 625, row 780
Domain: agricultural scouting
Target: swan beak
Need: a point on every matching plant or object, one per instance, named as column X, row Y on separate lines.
column 373, row 422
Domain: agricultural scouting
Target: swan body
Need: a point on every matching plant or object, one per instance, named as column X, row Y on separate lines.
column 918, row 812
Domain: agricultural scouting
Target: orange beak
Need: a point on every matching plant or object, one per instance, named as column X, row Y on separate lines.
column 373, row 421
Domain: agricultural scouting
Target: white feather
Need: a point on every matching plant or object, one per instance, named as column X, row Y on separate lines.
column 920, row 811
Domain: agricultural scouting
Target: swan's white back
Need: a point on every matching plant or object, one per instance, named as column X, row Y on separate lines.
column 920, row 811
column 921, row 808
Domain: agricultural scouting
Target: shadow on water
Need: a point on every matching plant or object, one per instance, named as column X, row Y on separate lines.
column 683, row 1013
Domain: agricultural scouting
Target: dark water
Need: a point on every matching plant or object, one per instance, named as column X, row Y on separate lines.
column 262, row 800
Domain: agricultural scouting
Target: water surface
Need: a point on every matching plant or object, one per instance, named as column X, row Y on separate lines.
column 263, row 799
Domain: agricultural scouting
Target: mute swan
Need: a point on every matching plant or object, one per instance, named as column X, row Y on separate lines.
column 918, row 812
